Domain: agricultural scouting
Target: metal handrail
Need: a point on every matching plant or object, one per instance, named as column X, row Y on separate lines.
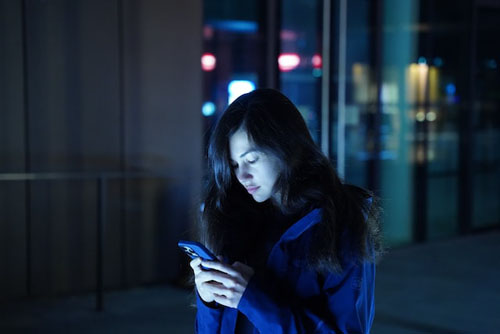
column 101, row 178
column 77, row 175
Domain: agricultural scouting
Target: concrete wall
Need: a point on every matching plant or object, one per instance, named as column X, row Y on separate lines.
column 92, row 86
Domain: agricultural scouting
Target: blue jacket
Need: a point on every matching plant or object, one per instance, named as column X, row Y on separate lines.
column 299, row 300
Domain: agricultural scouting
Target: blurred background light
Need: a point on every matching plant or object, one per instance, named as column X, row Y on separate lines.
column 288, row 61
column 235, row 88
column 492, row 64
column 208, row 62
column 235, row 25
column 431, row 116
column 288, row 35
column 450, row 89
column 317, row 61
column 420, row 116
column 208, row 109
column 317, row 72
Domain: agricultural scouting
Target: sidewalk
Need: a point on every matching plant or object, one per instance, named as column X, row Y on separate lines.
column 440, row 287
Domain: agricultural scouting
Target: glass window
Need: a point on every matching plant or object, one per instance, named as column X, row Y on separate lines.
column 300, row 59
column 408, row 85
column 442, row 49
column 400, row 95
column 233, row 54
column 486, row 157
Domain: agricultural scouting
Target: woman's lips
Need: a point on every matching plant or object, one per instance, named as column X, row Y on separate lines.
column 251, row 190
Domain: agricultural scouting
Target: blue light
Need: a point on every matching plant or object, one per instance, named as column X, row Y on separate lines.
column 491, row 63
column 208, row 109
column 438, row 62
column 422, row 60
column 239, row 87
column 317, row 72
column 450, row 89
column 235, row 25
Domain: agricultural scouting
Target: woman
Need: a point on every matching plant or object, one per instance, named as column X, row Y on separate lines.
column 297, row 246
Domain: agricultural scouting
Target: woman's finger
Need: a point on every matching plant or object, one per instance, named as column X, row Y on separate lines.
column 220, row 267
column 196, row 265
column 225, row 301
column 218, row 289
column 217, row 276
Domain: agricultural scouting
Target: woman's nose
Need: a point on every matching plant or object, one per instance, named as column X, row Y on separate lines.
column 244, row 175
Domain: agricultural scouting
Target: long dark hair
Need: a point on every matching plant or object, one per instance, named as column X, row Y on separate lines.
column 307, row 180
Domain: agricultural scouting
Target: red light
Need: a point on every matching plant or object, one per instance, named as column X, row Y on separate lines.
column 208, row 62
column 288, row 61
column 288, row 35
column 317, row 61
column 208, row 32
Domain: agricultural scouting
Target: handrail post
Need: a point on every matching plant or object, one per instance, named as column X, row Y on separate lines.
column 101, row 217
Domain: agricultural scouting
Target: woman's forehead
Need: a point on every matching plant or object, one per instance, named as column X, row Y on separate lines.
column 240, row 144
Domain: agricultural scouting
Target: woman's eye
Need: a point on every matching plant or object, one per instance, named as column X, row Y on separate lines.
column 252, row 161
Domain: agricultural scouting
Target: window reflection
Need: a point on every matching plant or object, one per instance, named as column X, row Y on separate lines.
column 408, row 95
column 300, row 60
column 233, row 54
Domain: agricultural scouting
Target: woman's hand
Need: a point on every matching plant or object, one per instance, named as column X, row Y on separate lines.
column 222, row 283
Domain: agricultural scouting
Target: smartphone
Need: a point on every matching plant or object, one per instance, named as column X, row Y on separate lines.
column 194, row 249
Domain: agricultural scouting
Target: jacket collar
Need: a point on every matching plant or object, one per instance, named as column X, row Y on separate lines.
column 302, row 225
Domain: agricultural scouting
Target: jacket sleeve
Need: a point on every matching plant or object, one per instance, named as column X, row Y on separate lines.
column 344, row 305
column 208, row 319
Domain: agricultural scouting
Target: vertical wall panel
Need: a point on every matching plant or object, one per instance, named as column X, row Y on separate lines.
column 163, row 128
column 76, row 121
column 73, row 60
column 12, row 240
column 12, row 154
column 11, row 87
column 74, row 127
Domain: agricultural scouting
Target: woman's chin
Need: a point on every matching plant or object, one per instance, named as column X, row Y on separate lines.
column 259, row 199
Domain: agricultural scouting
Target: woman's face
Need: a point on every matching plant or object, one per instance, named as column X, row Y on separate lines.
column 254, row 169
